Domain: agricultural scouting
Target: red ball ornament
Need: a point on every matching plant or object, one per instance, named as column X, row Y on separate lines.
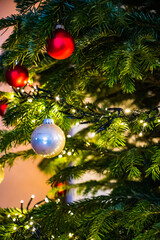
column 3, row 109
column 17, row 76
column 60, row 186
column 61, row 45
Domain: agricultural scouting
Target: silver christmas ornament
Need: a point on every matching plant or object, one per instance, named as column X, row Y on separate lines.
column 48, row 140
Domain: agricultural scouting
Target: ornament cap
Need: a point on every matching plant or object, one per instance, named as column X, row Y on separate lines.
column 48, row 121
column 59, row 26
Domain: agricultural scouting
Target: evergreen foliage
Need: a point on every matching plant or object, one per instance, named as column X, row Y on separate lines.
column 115, row 66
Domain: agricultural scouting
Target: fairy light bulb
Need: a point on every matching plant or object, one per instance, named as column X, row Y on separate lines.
column 33, row 196
column 144, row 124
column 127, row 110
column 140, row 134
column 141, row 121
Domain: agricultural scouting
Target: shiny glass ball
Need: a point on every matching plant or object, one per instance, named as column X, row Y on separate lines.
column 60, row 45
column 3, row 109
column 17, row 76
column 48, row 140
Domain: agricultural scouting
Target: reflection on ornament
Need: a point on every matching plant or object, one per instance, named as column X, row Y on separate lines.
column 61, row 45
column 17, row 76
column 3, row 109
column 48, row 140
column 1, row 173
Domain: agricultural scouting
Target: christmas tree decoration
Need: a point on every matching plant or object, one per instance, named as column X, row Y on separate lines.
column 17, row 76
column 60, row 186
column 61, row 44
column 3, row 109
column 48, row 140
column 1, row 173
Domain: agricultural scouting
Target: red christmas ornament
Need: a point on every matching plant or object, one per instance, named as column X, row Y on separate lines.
column 3, row 109
column 17, row 76
column 61, row 45
column 60, row 185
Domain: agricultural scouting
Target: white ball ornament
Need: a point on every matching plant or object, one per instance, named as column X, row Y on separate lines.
column 48, row 140
column 1, row 173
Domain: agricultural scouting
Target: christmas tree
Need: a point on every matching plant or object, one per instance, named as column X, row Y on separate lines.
column 94, row 63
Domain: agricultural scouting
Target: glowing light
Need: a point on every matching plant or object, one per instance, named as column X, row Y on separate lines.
column 122, row 124
column 69, row 153
column 14, row 219
column 12, row 96
column 46, row 200
column 32, row 196
column 33, row 229
column 31, row 223
column 141, row 121
column 73, row 110
column 144, row 124
column 8, row 215
column 127, row 110
column 63, row 151
column 72, row 214
column 106, row 109
column 14, row 228
column 158, row 120
column 77, row 123
column 57, row 98
column 86, row 106
column 68, row 136
column 60, row 156
column 33, row 121
column 140, row 134
column 22, row 90
column 93, row 134
column 27, row 226
column 29, row 100
column 70, row 235
column 72, row 150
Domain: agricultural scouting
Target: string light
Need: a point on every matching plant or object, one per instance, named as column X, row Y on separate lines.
column 69, row 153
column 14, row 219
column 22, row 90
column 33, row 229
column 63, row 151
column 93, row 134
column 57, row 98
column 21, row 201
column 141, row 121
column 86, row 106
column 33, row 120
column 14, row 228
column 70, row 235
column 127, row 110
column 60, row 156
column 144, row 124
column 30, row 100
column 140, row 134
column 33, row 196
column 31, row 223
column 8, row 215
column 27, row 226
column 68, row 136
column 73, row 110
column 46, row 200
